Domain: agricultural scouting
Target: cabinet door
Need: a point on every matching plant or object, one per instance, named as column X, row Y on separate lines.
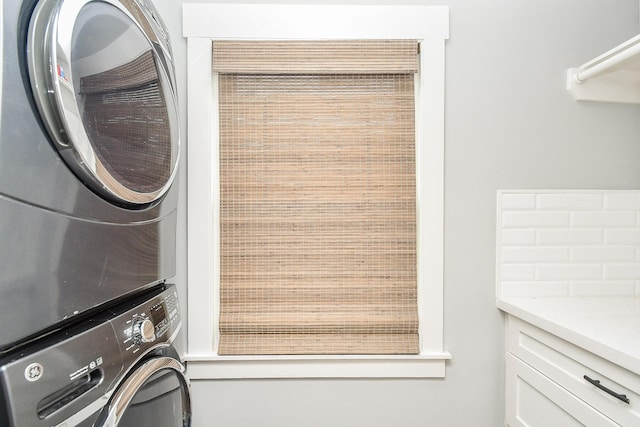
column 533, row 400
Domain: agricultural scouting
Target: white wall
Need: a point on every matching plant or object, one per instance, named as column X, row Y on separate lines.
column 509, row 124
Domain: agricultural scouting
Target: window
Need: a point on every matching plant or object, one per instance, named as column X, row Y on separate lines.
column 206, row 23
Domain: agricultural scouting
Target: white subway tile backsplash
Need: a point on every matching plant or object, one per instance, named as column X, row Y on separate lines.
column 569, row 201
column 569, row 236
column 574, row 243
column 603, row 219
column 622, row 200
column 532, row 219
column 602, row 288
column 603, row 254
column 534, row 254
column 538, row 288
column 629, row 271
column 518, row 272
column 582, row 271
column 518, row 201
column 622, row 236
column 518, row 236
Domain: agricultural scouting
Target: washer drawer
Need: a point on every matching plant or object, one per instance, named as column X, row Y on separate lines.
column 605, row 386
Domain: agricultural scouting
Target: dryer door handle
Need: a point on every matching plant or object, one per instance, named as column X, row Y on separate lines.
column 125, row 393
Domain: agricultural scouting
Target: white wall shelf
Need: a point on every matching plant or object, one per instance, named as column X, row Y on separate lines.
column 611, row 77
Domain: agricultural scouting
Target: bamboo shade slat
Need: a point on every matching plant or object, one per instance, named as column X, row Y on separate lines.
column 317, row 212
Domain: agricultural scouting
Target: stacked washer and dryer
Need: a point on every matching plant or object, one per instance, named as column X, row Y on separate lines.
column 89, row 147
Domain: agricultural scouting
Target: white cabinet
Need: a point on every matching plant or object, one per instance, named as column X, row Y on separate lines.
column 533, row 400
column 552, row 382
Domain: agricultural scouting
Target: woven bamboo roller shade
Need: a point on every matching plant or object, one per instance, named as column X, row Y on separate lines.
column 317, row 215
column 317, row 57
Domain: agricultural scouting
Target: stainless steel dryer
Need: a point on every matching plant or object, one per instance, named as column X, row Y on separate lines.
column 118, row 369
column 89, row 146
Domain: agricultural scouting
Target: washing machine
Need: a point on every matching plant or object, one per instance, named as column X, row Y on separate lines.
column 89, row 148
column 117, row 369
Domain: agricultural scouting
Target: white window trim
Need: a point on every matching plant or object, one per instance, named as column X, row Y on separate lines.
column 203, row 23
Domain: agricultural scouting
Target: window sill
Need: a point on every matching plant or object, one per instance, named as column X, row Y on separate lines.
column 212, row 366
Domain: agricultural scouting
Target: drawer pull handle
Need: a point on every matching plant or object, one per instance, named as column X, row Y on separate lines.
column 596, row 383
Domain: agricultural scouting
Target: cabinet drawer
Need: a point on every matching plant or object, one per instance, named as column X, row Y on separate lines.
column 533, row 400
column 567, row 365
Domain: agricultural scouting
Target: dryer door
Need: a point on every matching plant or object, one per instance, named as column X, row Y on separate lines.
column 103, row 79
column 155, row 394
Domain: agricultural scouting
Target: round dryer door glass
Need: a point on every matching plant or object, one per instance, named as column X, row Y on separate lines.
column 110, row 104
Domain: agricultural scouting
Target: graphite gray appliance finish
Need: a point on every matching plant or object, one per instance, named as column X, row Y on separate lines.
column 118, row 370
column 88, row 151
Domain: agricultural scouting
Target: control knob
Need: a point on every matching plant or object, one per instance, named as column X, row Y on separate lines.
column 143, row 331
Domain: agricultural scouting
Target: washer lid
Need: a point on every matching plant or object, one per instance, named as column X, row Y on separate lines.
column 103, row 80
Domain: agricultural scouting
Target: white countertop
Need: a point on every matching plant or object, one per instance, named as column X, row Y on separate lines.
column 606, row 326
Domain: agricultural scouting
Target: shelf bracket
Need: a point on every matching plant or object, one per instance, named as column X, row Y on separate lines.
column 611, row 77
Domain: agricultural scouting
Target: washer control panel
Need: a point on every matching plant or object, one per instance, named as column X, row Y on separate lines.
column 52, row 381
column 150, row 324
